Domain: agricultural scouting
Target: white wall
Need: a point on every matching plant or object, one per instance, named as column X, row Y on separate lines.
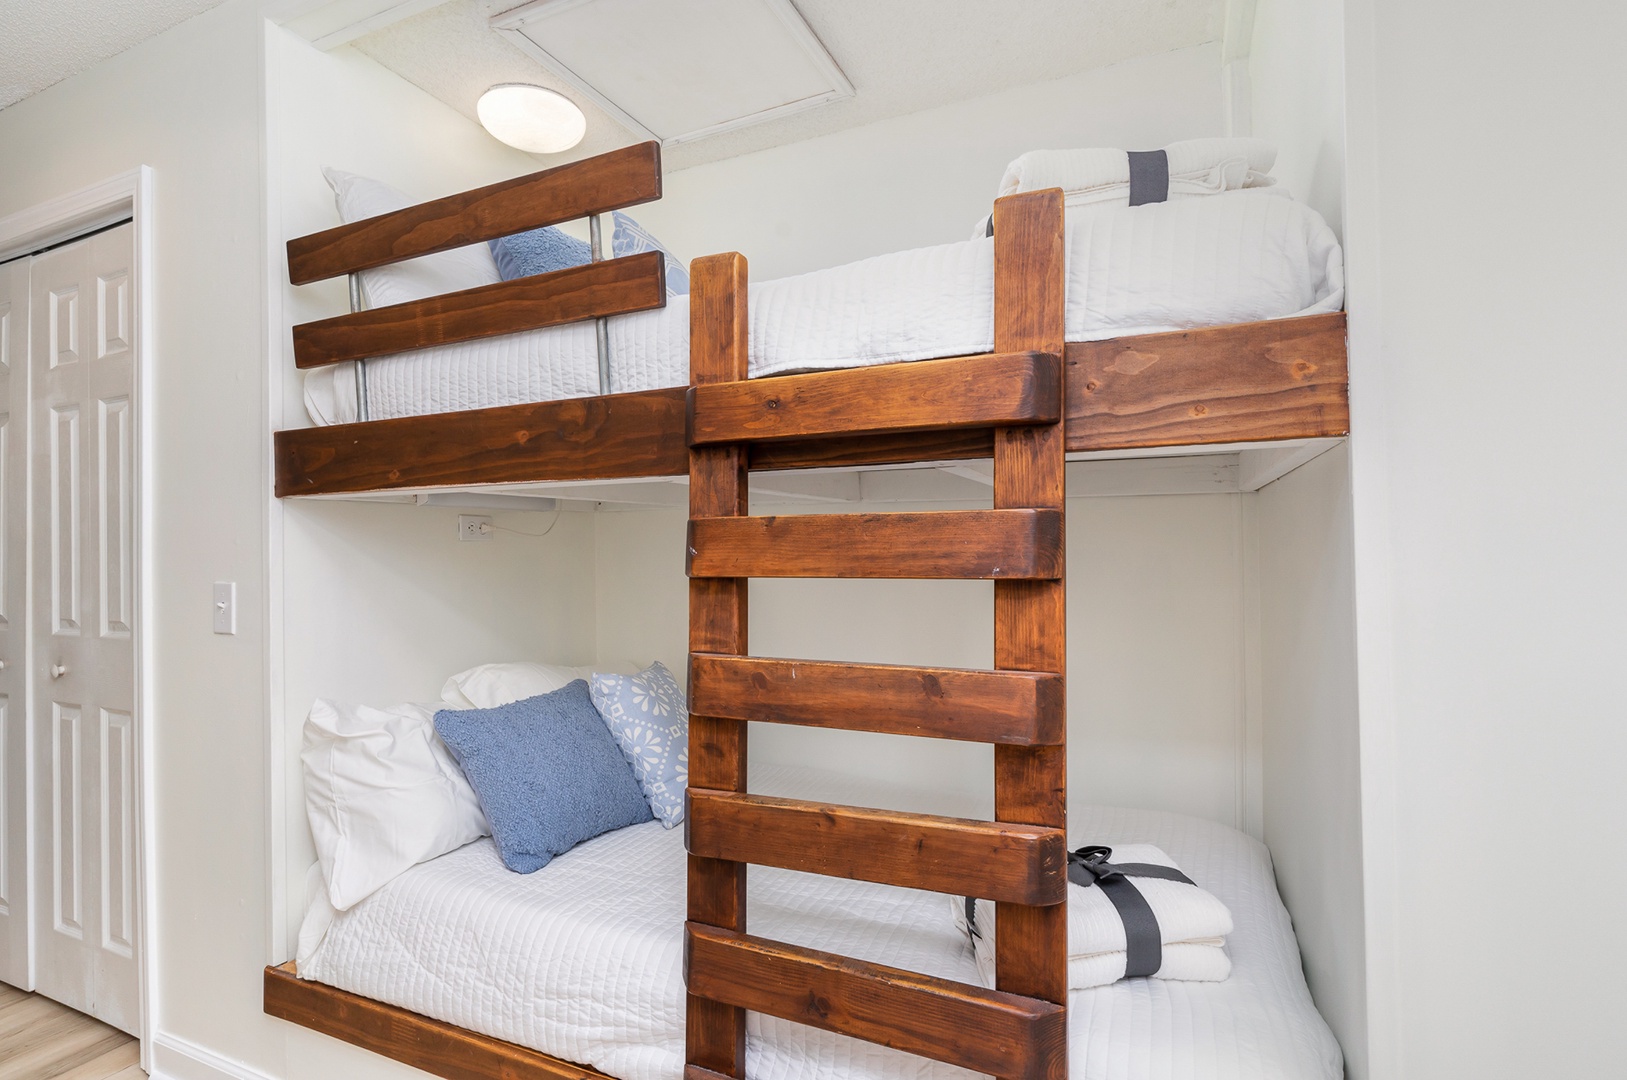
column 1311, row 775
column 1155, row 606
column 188, row 104
column 928, row 177
column 1488, row 368
column 1296, row 70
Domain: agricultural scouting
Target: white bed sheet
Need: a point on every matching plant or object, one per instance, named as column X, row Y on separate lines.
column 582, row 959
column 1241, row 256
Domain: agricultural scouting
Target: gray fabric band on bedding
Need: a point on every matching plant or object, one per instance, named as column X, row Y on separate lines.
column 1143, row 942
column 1149, row 176
column 1088, row 866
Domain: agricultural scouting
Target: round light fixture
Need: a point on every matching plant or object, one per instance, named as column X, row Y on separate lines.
column 531, row 118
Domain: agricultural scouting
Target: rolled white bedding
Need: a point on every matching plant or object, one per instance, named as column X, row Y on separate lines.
column 1192, row 923
column 1196, row 167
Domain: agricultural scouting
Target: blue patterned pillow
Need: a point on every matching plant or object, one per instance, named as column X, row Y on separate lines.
column 538, row 252
column 646, row 714
column 547, row 774
column 630, row 238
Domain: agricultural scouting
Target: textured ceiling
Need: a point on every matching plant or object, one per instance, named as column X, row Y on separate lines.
column 901, row 55
column 45, row 41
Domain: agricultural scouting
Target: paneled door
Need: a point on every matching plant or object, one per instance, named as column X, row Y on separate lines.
column 82, row 440
column 14, row 921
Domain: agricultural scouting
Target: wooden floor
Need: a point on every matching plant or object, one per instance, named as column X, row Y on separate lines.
column 41, row 1040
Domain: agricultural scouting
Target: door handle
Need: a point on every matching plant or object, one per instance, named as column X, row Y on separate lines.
column 58, row 670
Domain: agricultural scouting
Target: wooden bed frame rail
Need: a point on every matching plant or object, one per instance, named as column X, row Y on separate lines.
column 1018, row 860
column 1283, row 379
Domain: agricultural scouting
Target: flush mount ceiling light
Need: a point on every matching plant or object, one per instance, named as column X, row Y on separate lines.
column 531, row 118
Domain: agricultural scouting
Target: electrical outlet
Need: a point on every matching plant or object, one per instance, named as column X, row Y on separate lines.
column 475, row 527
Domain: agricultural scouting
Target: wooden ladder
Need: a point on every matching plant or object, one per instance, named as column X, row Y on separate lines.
column 1018, row 860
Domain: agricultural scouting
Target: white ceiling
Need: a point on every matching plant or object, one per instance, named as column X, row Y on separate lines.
column 901, row 56
column 45, row 41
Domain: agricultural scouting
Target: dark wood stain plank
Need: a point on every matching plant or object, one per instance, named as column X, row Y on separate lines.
column 1030, row 617
column 1017, row 707
column 612, row 287
column 592, row 438
column 435, row 1047
column 998, row 861
column 1279, row 379
column 964, row 392
column 716, row 1031
column 992, row 544
column 594, row 185
column 983, row 1030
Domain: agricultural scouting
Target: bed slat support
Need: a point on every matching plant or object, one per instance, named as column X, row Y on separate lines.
column 1018, row 1031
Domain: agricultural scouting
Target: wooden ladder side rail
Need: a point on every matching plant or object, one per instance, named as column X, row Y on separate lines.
column 1030, row 617
column 594, row 290
column 716, row 1031
column 595, row 185
column 436, row 1047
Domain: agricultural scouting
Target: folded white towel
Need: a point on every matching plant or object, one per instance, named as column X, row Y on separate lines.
column 1196, row 167
column 1192, row 925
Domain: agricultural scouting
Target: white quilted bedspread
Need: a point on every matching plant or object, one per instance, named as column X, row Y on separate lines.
column 582, row 959
column 1239, row 257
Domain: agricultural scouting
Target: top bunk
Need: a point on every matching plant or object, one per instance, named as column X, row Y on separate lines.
column 1281, row 382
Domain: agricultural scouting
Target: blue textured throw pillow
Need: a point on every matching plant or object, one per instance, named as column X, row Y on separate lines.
column 538, row 252
column 630, row 238
column 646, row 714
column 547, row 773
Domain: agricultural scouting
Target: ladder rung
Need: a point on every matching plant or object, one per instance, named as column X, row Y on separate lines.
column 1020, row 708
column 997, row 860
column 983, row 1030
column 989, row 390
column 997, row 544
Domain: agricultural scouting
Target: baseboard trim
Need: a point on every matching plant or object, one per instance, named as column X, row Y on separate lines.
column 175, row 1058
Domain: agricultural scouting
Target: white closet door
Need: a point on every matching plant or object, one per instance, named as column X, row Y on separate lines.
column 14, row 922
column 82, row 439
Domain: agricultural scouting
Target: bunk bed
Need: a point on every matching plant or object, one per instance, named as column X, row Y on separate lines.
column 1027, row 404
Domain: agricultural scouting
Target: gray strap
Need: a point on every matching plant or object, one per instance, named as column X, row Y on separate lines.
column 1149, row 176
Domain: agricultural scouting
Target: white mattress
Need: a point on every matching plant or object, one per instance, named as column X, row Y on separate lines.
column 582, row 959
column 1242, row 256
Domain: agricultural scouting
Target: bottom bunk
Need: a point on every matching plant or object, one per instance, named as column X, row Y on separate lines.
column 583, row 962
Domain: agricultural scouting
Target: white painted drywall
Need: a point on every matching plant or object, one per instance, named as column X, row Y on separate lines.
column 928, row 177
column 1155, row 648
column 1311, row 777
column 187, row 103
column 1487, row 374
column 1296, row 70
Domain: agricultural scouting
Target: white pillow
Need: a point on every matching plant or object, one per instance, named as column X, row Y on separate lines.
column 383, row 794
column 429, row 275
column 491, row 685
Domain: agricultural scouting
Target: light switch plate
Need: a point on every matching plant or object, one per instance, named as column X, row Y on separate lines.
column 225, row 605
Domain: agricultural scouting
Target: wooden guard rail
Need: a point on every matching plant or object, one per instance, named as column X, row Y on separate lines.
column 1019, row 1029
column 580, row 189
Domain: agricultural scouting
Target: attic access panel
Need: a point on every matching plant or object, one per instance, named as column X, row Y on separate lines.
column 680, row 70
